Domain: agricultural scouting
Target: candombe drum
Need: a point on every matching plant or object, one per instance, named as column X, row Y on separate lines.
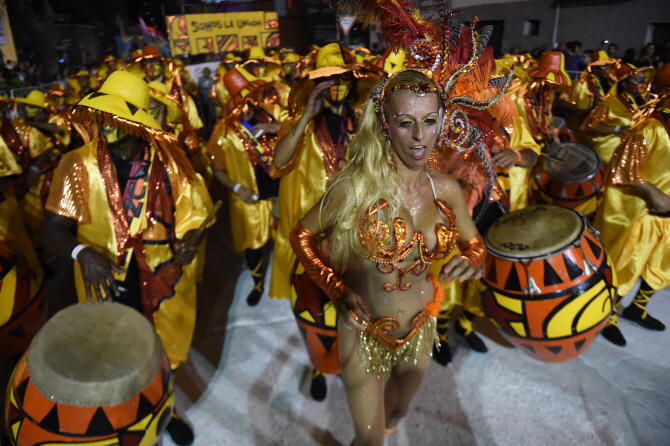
column 96, row 374
column 317, row 322
column 570, row 176
column 23, row 306
column 550, row 286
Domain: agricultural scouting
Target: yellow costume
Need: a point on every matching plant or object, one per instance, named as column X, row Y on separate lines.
column 638, row 242
column 229, row 148
column 515, row 181
column 30, row 144
column 172, row 72
column 617, row 109
column 79, row 192
column 163, row 199
column 613, row 111
column 21, row 276
column 303, row 183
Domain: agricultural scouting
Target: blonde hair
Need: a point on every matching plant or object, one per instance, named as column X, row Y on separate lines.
column 367, row 177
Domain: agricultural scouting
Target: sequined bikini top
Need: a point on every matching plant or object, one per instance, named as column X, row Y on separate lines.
column 374, row 234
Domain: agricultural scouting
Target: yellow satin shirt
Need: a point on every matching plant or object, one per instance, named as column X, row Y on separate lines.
column 637, row 242
column 610, row 112
column 78, row 193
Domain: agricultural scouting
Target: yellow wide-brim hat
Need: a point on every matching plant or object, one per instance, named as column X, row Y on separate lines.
column 35, row 98
column 73, row 80
column 256, row 53
column 334, row 59
column 122, row 95
column 159, row 92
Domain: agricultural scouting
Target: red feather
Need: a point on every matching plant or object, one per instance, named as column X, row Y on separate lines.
column 399, row 26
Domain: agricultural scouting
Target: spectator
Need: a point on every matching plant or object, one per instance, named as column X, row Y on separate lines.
column 573, row 58
column 205, row 107
column 629, row 56
column 516, row 50
column 612, row 49
column 648, row 57
column 536, row 53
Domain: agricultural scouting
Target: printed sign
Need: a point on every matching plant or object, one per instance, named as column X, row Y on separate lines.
column 219, row 33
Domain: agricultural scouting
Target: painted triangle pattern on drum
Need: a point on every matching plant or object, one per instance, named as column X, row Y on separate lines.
column 573, row 270
column 551, row 277
column 512, row 283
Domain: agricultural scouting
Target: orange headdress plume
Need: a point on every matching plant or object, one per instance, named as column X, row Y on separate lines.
column 462, row 65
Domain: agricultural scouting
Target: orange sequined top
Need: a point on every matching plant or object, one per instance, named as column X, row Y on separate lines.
column 374, row 236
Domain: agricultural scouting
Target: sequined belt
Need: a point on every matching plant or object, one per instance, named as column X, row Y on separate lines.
column 380, row 351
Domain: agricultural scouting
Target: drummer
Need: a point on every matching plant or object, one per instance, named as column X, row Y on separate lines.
column 135, row 202
column 241, row 148
column 635, row 215
column 534, row 101
column 614, row 116
column 18, row 260
column 589, row 91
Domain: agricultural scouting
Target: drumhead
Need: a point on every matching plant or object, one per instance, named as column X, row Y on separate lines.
column 572, row 162
column 93, row 354
column 534, row 232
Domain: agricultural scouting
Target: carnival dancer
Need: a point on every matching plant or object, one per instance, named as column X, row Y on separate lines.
column 82, row 83
column 614, row 116
column 109, row 65
column 219, row 95
column 58, row 97
column 148, row 64
column 289, row 61
column 381, row 214
column 312, row 148
column 589, row 91
column 28, row 136
column 136, row 204
column 22, row 294
column 241, row 148
column 634, row 218
column 514, row 152
column 534, row 100
column 386, row 193
column 262, row 66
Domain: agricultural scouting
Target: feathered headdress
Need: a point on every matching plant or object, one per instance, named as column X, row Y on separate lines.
column 458, row 59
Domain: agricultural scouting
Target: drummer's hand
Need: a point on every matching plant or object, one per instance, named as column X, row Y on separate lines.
column 348, row 303
column 504, row 158
column 32, row 178
column 660, row 203
column 96, row 270
column 184, row 253
column 247, row 195
column 267, row 127
column 459, row 268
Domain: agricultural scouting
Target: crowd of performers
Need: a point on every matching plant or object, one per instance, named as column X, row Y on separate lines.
column 373, row 175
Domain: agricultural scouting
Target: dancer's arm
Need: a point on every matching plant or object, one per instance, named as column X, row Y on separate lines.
column 305, row 242
column 286, row 147
column 471, row 244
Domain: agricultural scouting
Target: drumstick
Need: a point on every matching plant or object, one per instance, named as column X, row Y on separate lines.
column 552, row 157
column 198, row 232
